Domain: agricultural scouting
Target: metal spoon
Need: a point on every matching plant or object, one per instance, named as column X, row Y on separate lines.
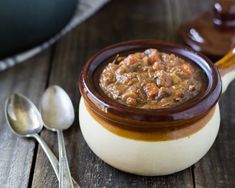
column 24, row 120
column 58, row 115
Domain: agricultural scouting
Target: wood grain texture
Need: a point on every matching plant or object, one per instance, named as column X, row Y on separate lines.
column 16, row 154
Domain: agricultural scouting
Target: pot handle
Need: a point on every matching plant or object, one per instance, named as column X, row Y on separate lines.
column 226, row 67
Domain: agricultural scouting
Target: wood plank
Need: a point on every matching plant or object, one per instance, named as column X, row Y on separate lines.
column 154, row 19
column 17, row 153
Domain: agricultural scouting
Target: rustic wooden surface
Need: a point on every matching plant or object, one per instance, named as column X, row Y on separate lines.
column 23, row 163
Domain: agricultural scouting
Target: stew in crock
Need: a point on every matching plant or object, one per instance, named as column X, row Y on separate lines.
column 151, row 80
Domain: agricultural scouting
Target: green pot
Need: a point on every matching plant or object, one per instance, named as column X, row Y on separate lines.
column 27, row 23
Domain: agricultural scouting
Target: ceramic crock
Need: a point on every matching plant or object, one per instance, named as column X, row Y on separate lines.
column 152, row 142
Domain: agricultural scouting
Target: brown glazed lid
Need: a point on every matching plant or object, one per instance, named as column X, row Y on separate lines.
column 212, row 33
column 130, row 117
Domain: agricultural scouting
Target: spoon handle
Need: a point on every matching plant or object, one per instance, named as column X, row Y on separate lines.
column 52, row 158
column 50, row 155
column 65, row 179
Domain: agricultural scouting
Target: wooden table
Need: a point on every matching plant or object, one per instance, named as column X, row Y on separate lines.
column 22, row 161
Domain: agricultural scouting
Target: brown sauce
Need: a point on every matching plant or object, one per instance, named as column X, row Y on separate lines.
column 151, row 80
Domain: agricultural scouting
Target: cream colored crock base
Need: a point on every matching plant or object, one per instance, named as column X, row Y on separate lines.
column 143, row 157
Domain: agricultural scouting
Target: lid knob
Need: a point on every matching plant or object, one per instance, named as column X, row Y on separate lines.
column 224, row 13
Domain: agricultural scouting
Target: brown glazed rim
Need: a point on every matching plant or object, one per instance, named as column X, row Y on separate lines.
column 146, row 119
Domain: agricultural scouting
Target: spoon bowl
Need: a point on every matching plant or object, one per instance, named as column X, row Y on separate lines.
column 23, row 117
column 57, row 109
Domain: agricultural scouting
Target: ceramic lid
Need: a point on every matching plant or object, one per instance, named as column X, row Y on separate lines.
column 212, row 33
